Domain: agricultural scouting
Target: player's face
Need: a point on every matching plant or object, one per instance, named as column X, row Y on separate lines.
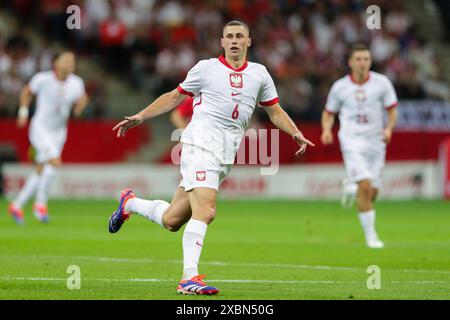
column 66, row 63
column 235, row 42
column 360, row 61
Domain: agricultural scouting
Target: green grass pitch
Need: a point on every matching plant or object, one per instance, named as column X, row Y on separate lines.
column 254, row 250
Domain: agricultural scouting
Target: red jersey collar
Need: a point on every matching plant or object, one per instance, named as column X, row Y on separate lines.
column 359, row 83
column 225, row 62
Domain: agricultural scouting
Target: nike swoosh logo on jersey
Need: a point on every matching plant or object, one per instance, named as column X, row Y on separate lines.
column 235, row 93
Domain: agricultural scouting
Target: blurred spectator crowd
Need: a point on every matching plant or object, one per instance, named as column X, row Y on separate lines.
column 152, row 44
column 23, row 53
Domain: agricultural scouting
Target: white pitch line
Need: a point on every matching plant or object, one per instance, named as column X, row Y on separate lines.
column 173, row 280
column 221, row 263
column 216, row 280
column 84, row 279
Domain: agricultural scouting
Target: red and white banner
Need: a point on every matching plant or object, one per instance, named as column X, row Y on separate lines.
column 401, row 180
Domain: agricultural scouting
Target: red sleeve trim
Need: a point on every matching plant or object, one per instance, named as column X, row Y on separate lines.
column 270, row 102
column 392, row 106
column 330, row 112
column 185, row 108
column 182, row 91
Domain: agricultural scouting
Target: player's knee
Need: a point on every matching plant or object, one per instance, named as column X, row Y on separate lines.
column 365, row 188
column 205, row 213
column 210, row 213
column 39, row 168
column 173, row 227
column 55, row 162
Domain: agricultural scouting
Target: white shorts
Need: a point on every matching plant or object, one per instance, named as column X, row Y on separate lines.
column 366, row 164
column 48, row 144
column 200, row 168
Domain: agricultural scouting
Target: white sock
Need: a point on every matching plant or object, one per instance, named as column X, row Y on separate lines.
column 152, row 210
column 367, row 220
column 352, row 189
column 193, row 236
column 47, row 175
column 27, row 191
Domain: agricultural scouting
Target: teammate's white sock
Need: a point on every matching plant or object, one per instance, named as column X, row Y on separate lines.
column 27, row 191
column 193, row 236
column 47, row 175
column 349, row 192
column 367, row 219
column 152, row 210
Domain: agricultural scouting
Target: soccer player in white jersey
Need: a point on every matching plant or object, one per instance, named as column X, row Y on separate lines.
column 360, row 99
column 56, row 91
column 226, row 91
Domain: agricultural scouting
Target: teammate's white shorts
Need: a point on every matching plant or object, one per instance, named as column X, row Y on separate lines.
column 48, row 144
column 365, row 164
column 201, row 168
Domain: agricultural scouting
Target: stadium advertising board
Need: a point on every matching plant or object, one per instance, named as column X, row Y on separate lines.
column 401, row 180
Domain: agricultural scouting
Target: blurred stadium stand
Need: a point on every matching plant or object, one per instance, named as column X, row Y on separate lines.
column 130, row 51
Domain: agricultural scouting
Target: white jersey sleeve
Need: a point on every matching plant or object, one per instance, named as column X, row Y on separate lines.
column 268, row 94
column 389, row 97
column 193, row 82
column 37, row 82
column 333, row 104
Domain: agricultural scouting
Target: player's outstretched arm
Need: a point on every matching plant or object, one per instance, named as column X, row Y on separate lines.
column 162, row 104
column 80, row 105
column 327, row 123
column 391, row 121
column 283, row 122
column 26, row 96
column 178, row 120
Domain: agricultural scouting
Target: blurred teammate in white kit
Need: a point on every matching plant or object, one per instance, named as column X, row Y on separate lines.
column 56, row 91
column 360, row 99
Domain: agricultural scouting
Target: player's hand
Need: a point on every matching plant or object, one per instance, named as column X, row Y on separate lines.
column 387, row 135
column 126, row 124
column 303, row 142
column 21, row 122
column 326, row 137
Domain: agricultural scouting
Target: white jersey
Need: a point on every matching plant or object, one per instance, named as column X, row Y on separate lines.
column 225, row 99
column 360, row 108
column 54, row 98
